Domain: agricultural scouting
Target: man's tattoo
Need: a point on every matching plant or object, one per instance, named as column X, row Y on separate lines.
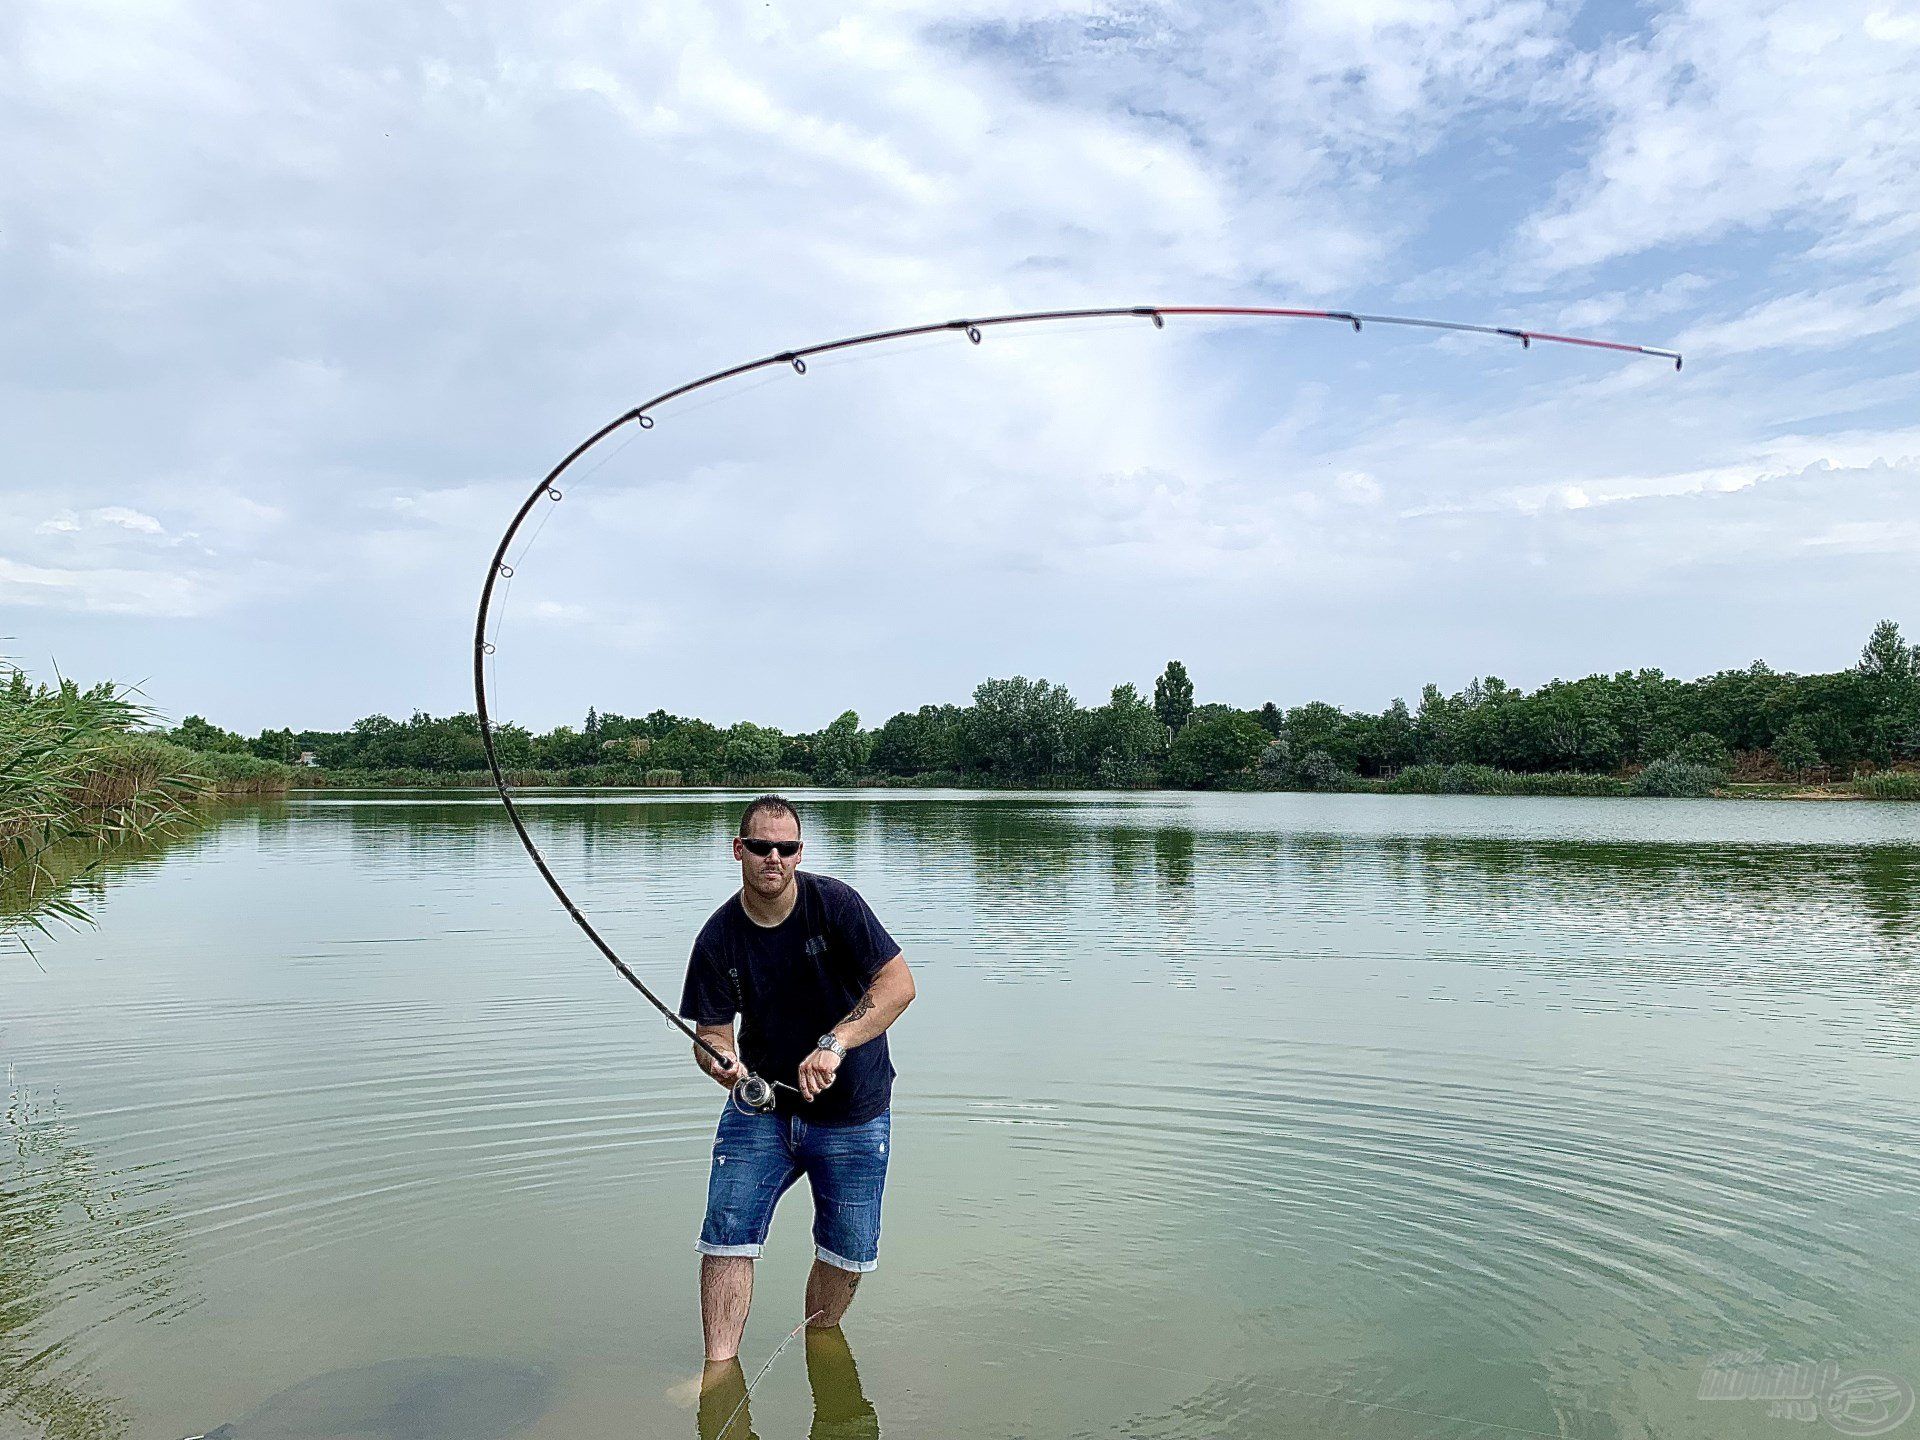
column 861, row 1010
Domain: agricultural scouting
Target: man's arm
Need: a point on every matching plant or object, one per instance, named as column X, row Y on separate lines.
column 721, row 1038
column 889, row 993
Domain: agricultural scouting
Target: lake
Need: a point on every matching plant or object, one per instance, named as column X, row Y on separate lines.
column 1218, row 1115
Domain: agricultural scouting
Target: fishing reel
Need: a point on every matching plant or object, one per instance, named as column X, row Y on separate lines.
column 755, row 1093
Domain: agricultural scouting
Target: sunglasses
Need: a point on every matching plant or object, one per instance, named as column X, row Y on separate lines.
column 787, row 848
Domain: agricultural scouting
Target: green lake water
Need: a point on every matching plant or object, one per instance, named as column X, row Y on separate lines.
column 1218, row 1115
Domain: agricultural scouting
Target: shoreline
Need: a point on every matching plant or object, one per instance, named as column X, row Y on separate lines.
column 1747, row 790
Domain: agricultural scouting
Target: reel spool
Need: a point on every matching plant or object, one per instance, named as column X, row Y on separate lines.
column 754, row 1093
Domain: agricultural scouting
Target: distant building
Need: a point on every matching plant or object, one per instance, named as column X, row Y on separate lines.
column 307, row 757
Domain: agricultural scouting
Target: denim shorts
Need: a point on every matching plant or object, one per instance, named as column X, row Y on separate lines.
column 757, row 1156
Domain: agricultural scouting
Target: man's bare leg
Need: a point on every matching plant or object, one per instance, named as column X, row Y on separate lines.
column 726, row 1292
column 829, row 1293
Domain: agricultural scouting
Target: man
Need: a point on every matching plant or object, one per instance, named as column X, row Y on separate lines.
column 816, row 980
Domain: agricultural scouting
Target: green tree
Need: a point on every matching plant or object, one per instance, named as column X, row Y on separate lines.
column 916, row 742
column 1392, row 742
column 1794, row 750
column 275, row 745
column 840, row 751
column 750, row 750
column 1434, row 739
column 1214, row 749
column 196, row 733
column 1173, row 697
column 1889, row 672
column 693, row 747
column 1707, row 751
column 1886, row 656
column 1020, row 729
column 1120, row 739
column 561, row 748
column 1320, row 726
column 513, row 744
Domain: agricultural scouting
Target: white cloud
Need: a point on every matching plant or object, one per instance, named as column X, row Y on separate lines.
column 128, row 519
column 1358, row 488
column 1732, row 115
column 1811, row 320
column 104, row 591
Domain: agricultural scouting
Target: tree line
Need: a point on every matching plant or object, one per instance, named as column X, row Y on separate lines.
column 1022, row 732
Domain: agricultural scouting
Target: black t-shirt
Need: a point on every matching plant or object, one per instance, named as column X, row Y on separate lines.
column 791, row 983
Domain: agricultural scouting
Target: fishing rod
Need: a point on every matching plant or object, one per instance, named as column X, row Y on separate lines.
column 753, row 1091
column 747, row 1394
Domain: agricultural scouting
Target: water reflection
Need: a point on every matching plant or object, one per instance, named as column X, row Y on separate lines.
column 65, row 884
column 841, row 1410
column 441, row 1397
column 74, row 1238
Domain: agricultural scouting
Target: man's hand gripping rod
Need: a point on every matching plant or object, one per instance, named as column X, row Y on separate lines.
column 757, row 1094
column 752, row 1092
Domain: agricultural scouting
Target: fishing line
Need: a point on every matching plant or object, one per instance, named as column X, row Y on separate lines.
column 754, row 1091
column 722, row 1433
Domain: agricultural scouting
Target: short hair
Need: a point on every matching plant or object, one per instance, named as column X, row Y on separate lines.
column 768, row 805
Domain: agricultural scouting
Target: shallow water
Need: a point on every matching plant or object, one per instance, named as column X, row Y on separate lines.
column 1219, row 1115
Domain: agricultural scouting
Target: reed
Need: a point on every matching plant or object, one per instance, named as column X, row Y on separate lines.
column 1889, row 785
column 1463, row 779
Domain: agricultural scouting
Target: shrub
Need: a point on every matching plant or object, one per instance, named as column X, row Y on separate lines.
column 1889, row 785
column 1318, row 770
column 1276, row 759
column 1671, row 777
column 1485, row 780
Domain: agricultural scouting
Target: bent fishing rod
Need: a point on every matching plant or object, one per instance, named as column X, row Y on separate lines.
column 754, row 1091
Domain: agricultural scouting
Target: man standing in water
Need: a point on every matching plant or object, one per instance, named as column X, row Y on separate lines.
column 816, row 980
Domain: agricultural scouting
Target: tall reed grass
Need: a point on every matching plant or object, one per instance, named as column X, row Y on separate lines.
column 1889, row 785
column 1462, row 779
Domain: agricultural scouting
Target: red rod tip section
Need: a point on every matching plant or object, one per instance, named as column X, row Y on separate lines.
column 1526, row 337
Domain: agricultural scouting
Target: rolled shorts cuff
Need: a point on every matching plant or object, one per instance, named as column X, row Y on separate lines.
column 752, row 1252
column 840, row 1262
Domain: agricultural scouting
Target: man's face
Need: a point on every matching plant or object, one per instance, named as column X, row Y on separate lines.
column 768, row 875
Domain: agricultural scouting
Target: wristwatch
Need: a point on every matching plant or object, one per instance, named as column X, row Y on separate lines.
column 831, row 1042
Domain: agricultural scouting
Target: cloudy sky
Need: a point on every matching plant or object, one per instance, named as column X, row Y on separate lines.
column 299, row 301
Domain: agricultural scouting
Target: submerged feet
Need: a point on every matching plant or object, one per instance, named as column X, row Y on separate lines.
column 723, row 1391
